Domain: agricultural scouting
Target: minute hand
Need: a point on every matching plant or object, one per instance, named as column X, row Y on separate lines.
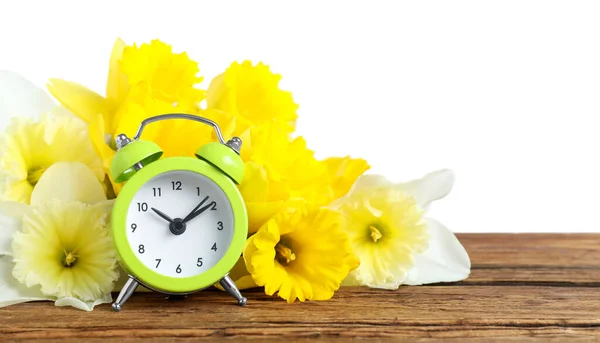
column 195, row 209
column 197, row 213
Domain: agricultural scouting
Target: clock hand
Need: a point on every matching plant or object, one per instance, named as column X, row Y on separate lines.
column 195, row 209
column 162, row 215
column 197, row 213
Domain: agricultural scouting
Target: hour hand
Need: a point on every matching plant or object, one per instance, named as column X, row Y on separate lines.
column 162, row 215
column 198, row 212
column 189, row 216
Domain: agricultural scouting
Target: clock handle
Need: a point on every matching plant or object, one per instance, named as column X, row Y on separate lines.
column 179, row 116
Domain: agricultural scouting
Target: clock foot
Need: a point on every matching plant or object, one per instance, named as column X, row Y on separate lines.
column 232, row 289
column 125, row 293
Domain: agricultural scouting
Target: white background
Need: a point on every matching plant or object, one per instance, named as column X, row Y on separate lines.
column 506, row 93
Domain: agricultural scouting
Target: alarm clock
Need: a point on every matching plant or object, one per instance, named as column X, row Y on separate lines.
column 179, row 224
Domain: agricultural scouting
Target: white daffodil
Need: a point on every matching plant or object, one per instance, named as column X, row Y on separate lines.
column 395, row 242
column 59, row 247
column 21, row 98
column 39, row 135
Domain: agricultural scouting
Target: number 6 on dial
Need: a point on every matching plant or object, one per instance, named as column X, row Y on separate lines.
column 179, row 223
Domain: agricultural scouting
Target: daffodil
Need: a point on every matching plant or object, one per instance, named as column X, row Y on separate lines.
column 279, row 168
column 29, row 147
column 172, row 77
column 143, row 81
column 251, row 94
column 59, row 248
column 395, row 242
column 21, row 98
column 301, row 253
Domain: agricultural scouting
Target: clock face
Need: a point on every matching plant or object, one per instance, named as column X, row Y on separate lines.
column 180, row 224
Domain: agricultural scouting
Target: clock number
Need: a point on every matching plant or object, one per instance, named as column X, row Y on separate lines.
column 214, row 206
column 220, row 226
column 157, row 191
column 141, row 249
column 157, row 262
column 142, row 207
column 214, row 247
column 178, row 269
column 199, row 263
column 133, row 227
column 198, row 189
column 176, row 185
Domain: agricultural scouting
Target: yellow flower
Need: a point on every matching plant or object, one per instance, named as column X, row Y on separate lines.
column 343, row 172
column 394, row 241
column 60, row 245
column 30, row 147
column 385, row 228
column 262, row 196
column 279, row 168
column 252, row 96
column 171, row 76
column 142, row 82
column 301, row 253
column 66, row 249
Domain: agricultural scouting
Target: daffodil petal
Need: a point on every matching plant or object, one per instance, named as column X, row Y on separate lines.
column 116, row 85
column 370, row 181
column 431, row 187
column 11, row 214
column 68, row 181
column 343, row 172
column 76, row 98
column 83, row 305
column 21, row 98
column 11, row 290
column 96, row 133
column 259, row 213
column 446, row 260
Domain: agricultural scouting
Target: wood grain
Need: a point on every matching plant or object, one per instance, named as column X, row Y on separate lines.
column 526, row 287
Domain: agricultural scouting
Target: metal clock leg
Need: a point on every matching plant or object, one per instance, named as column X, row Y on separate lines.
column 125, row 293
column 232, row 289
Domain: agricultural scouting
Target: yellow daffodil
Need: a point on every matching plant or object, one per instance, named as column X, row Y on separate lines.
column 142, row 82
column 279, row 168
column 251, row 94
column 65, row 248
column 301, row 253
column 395, row 242
column 171, row 76
column 61, row 249
column 30, row 147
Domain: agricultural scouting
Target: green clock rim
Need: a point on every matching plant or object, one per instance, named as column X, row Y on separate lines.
column 152, row 279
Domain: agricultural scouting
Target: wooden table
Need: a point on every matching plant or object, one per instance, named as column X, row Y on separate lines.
column 523, row 287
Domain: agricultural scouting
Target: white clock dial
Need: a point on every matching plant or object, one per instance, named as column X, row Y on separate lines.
column 181, row 249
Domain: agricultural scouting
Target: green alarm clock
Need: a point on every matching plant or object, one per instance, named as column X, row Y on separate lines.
column 179, row 224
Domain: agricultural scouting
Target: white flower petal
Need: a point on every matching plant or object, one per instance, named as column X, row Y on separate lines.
column 446, row 260
column 68, row 181
column 370, row 181
column 83, row 305
column 11, row 290
column 21, row 98
column 367, row 182
column 431, row 187
column 11, row 214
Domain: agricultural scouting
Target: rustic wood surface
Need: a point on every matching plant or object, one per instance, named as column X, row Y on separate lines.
column 523, row 288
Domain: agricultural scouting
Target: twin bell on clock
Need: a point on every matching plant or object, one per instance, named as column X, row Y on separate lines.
column 179, row 224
